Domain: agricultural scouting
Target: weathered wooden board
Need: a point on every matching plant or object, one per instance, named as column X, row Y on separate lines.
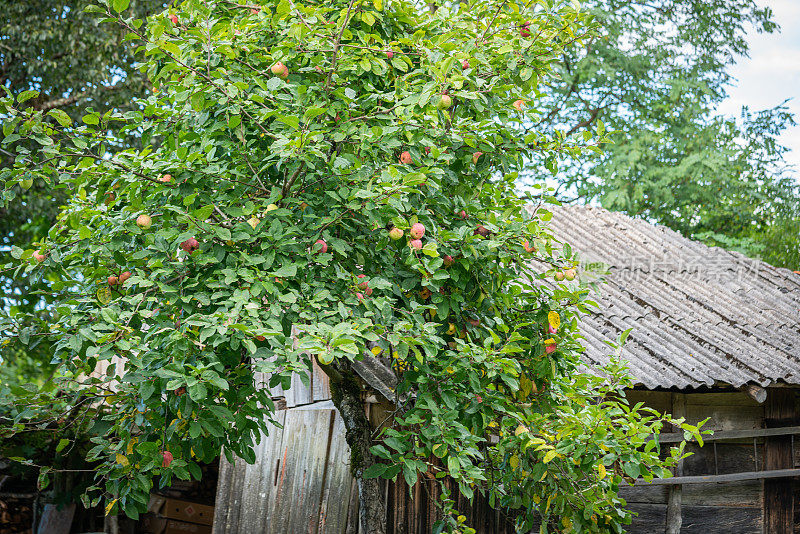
column 55, row 520
column 779, row 494
column 723, row 458
column 733, row 398
column 300, row 482
column 697, row 519
column 726, row 417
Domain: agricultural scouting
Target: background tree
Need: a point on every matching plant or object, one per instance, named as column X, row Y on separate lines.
column 655, row 75
column 341, row 174
column 74, row 62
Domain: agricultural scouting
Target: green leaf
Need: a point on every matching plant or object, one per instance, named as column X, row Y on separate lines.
column 120, row 5
column 312, row 113
column 197, row 392
column 326, row 357
column 286, row 271
column 61, row 444
column 374, row 471
column 60, row 116
column 27, row 95
column 198, row 101
column 203, row 213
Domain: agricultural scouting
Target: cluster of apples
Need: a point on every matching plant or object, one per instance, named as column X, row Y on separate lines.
column 189, row 246
column 364, row 286
column 114, row 280
column 405, row 155
column 553, row 322
column 416, row 233
column 566, row 274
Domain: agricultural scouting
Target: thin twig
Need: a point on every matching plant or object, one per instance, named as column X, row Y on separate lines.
column 336, row 44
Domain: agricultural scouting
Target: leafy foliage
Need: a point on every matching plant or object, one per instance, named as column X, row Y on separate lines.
column 283, row 144
column 70, row 61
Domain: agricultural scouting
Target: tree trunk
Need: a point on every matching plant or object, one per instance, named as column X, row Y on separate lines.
column 347, row 397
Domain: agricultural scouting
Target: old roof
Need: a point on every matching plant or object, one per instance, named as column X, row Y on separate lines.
column 700, row 315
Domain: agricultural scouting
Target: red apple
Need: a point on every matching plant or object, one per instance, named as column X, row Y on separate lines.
column 518, row 105
column 464, row 65
column 448, row 260
column 481, row 230
column 166, row 178
column 444, row 102
column 261, row 338
column 364, row 284
column 389, row 54
column 476, row 156
column 39, row 257
column 427, row 150
column 405, row 157
column 475, row 322
column 551, row 329
column 124, row 276
column 569, row 274
column 190, row 245
column 527, row 246
column 279, row 69
column 550, row 349
column 416, row 244
column 525, row 30
column 368, row 291
column 396, row 233
column 112, row 280
column 254, row 11
column 360, row 297
column 417, row 231
column 167, row 458
column 559, row 276
column 323, row 245
column 463, row 214
column 144, row 221
column 174, row 19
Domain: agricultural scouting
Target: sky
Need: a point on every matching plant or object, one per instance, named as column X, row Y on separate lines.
column 772, row 72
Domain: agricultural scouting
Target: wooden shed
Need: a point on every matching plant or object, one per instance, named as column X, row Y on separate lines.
column 715, row 335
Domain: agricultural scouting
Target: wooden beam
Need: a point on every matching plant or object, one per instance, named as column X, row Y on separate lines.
column 674, row 519
column 712, row 479
column 676, row 437
column 755, row 392
column 778, row 494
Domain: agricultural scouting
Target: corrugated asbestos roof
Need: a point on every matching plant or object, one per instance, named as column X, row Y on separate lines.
column 700, row 315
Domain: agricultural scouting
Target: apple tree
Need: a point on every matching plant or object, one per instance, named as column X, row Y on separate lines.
column 331, row 181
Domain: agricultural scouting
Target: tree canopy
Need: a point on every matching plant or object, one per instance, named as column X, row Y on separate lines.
column 325, row 181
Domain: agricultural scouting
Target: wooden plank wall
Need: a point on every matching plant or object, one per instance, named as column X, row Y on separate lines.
column 301, row 480
column 730, row 507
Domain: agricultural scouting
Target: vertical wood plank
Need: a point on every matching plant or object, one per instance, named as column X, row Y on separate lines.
column 778, row 501
column 674, row 519
column 320, row 389
column 269, row 465
column 223, row 495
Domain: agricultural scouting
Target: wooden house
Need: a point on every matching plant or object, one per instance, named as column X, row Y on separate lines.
column 715, row 335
